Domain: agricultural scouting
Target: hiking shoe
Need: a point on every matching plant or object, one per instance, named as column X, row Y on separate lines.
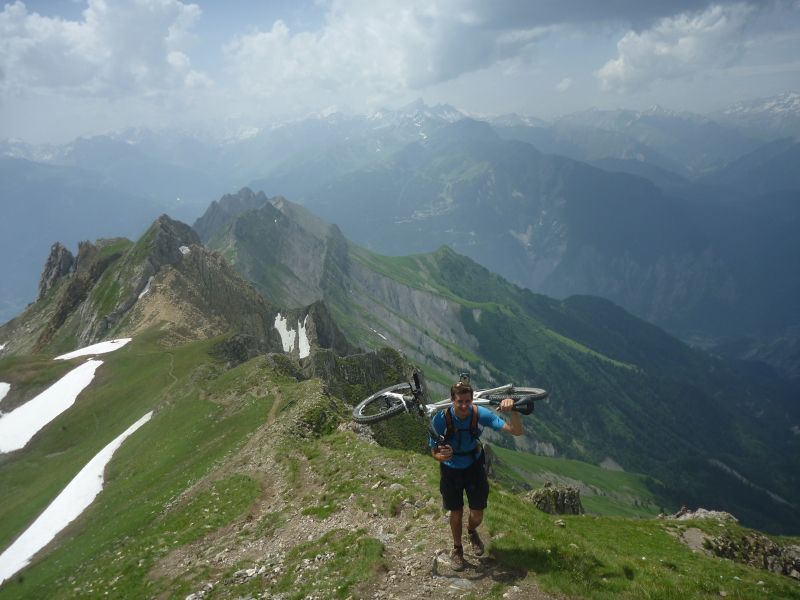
column 477, row 544
column 457, row 558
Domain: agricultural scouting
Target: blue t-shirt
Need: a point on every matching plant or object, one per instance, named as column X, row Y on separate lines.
column 463, row 441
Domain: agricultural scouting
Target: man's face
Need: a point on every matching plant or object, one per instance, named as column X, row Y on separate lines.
column 461, row 402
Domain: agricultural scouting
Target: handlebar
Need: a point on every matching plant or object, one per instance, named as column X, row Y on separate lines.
column 523, row 406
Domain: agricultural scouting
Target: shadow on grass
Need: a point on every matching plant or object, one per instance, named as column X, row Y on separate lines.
column 542, row 561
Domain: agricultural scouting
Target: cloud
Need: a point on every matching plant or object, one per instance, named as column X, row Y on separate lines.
column 120, row 48
column 680, row 47
column 564, row 85
column 386, row 47
column 383, row 45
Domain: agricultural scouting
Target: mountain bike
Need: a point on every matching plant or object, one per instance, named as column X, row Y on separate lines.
column 408, row 398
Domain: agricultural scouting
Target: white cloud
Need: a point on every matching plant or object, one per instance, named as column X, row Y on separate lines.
column 680, row 47
column 564, row 85
column 381, row 45
column 121, row 47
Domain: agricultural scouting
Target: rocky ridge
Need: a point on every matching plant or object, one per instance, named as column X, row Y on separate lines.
column 167, row 280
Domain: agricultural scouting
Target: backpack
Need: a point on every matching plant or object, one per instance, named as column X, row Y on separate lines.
column 451, row 430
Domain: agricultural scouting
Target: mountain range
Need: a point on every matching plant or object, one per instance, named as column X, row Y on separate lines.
column 673, row 255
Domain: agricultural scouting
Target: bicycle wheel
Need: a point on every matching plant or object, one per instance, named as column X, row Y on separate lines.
column 379, row 407
column 519, row 393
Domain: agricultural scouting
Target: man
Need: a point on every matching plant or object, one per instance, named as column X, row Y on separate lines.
column 463, row 462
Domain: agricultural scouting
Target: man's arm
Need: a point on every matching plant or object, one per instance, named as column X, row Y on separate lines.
column 515, row 427
column 440, row 453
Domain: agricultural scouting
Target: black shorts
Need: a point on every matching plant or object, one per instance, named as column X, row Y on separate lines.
column 473, row 480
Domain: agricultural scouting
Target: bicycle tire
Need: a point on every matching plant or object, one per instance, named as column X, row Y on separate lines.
column 519, row 393
column 378, row 407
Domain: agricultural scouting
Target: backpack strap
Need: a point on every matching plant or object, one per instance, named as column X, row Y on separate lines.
column 451, row 430
column 474, row 428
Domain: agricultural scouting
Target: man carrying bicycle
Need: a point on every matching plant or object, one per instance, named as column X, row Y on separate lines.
column 462, row 462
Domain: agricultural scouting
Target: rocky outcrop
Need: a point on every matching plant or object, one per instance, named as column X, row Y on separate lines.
column 165, row 243
column 356, row 376
column 90, row 266
column 758, row 551
column 58, row 264
column 701, row 513
column 743, row 546
column 557, row 499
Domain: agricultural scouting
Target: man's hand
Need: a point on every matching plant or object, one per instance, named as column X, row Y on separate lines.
column 442, row 453
column 507, row 405
column 515, row 427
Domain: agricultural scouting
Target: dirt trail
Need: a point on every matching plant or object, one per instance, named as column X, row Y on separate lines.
column 278, row 399
column 416, row 544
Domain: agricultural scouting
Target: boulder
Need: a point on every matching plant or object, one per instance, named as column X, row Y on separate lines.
column 557, row 499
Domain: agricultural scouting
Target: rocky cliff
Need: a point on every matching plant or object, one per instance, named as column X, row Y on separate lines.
column 169, row 281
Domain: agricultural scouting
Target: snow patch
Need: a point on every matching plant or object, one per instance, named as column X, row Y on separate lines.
column 147, row 286
column 289, row 336
column 305, row 346
column 70, row 503
column 4, row 388
column 101, row 348
column 184, row 249
column 21, row 424
column 2, row 346
column 383, row 336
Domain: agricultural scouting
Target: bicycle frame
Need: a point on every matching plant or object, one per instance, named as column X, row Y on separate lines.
column 428, row 411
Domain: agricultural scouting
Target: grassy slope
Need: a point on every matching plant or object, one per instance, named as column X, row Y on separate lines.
column 616, row 493
column 191, row 435
column 204, row 415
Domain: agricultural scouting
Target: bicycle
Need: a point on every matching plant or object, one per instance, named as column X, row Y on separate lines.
column 408, row 398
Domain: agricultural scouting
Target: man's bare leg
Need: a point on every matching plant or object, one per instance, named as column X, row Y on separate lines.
column 475, row 519
column 456, row 524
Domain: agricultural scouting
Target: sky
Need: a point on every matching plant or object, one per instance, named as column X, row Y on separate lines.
column 78, row 67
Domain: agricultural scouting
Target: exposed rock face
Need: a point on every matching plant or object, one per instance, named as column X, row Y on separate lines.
column 294, row 258
column 557, row 499
column 57, row 265
column 743, row 546
column 166, row 243
column 758, row 551
column 89, row 268
column 230, row 205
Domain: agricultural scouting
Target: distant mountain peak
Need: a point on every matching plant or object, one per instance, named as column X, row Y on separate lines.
column 418, row 108
column 659, row 111
column 769, row 118
column 784, row 103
